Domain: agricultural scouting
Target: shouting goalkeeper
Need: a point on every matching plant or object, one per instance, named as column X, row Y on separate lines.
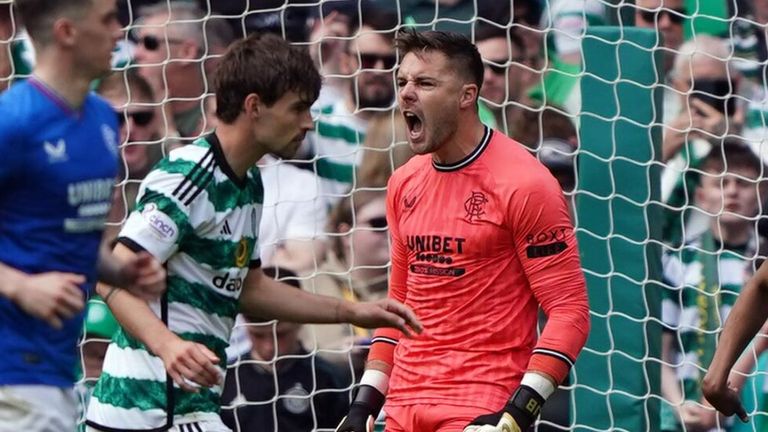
column 481, row 237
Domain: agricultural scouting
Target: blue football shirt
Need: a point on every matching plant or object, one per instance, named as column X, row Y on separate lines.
column 57, row 170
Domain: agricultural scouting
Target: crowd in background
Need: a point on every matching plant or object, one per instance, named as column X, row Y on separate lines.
column 324, row 227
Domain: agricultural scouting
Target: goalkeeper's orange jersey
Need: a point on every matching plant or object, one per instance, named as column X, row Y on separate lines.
column 476, row 246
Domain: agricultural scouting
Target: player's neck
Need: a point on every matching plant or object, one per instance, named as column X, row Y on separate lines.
column 732, row 234
column 70, row 84
column 464, row 141
column 238, row 147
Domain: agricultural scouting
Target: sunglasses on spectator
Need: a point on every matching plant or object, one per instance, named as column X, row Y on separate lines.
column 152, row 42
column 370, row 61
column 141, row 118
column 676, row 16
column 379, row 222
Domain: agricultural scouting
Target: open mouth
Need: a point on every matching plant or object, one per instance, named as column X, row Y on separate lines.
column 415, row 125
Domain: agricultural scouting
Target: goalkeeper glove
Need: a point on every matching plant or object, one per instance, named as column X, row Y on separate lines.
column 363, row 411
column 517, row 416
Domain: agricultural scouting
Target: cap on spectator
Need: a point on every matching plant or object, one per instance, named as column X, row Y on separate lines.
column 556, row 154
column 99, row 321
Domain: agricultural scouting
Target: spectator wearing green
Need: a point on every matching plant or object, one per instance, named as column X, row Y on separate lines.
column 509, row 72
column 703, row 279
column 340, row 128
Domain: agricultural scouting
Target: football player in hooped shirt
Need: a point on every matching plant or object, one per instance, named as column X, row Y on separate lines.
column 58, row 143
column 481, row 237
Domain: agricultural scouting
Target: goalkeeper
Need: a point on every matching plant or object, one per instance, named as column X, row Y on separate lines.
column 481, row 238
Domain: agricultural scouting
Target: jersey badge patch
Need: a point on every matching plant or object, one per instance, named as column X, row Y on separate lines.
column 162, row 225
column 56, row 152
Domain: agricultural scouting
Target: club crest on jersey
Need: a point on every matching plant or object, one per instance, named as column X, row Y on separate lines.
column 475, row 206
column 409, row 203
column 241, row 253
column 162, row 225
column 56, row 152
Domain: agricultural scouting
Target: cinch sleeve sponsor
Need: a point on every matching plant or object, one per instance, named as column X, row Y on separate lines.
column 159, row 222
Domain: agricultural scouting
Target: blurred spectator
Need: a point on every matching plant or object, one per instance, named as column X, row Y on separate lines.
column 666, row 17
column 294, row 217
column 141, row 143
column 564, row 22
column 331, row 25
column 534, row 127
column 341, row 127
column 704, row 278
column 750, row 55
column 356, row 268
column 508, row 75
column 176, row 49
column 449, row 15
column 705, row 83
column 384, row 150
column 310, row 392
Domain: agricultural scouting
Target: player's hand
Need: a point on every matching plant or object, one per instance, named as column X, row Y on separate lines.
column 723, row 398
column 517, row 416
column 505, row 424
column 144, row 276
column 706, row 120
column 51, row 297
column 363, row 411
column 190, row 365
column 358, row 419
column 383, row 313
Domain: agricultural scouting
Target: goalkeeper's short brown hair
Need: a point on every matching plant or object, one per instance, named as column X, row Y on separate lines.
column 38, row 16
column 266, row 65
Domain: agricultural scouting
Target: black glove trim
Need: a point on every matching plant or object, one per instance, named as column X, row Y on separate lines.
column 525, row 406
column 370, row 398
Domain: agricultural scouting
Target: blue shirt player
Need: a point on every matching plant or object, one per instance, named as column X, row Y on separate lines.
column 58, row 162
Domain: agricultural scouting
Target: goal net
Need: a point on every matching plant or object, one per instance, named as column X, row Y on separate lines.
column 650, row 114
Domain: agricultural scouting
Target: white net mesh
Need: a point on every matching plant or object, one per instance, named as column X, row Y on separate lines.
column 323, row 211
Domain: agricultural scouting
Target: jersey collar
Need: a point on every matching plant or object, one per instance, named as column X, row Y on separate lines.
column 469, row 158
column 221, row 161
column 54, row 97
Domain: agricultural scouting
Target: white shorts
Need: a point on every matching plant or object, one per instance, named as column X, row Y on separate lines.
column 200, row 426
column 37, row 408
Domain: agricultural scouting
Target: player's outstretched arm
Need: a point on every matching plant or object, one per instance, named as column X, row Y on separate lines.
column 189, row 364
column 51, row 296
column 265, row 297
column 139, row 273
column 749, row 314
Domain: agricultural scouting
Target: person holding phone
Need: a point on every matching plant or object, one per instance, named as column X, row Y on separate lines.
column 706, row 85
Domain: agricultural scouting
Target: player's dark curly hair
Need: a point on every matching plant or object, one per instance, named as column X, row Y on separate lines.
column 456, row 47
column 266, row 65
